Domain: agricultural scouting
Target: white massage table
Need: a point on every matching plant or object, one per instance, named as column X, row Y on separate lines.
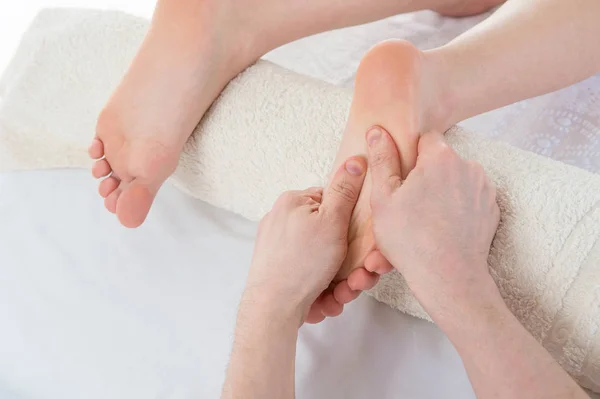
column 91, row 310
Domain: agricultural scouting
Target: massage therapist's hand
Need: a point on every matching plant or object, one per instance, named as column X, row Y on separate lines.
column 302, row 242
column 437, row 226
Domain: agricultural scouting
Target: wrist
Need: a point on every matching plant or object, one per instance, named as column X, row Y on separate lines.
column 259, row 326
column 456, row 291
column 265, row 307
column 482, row 311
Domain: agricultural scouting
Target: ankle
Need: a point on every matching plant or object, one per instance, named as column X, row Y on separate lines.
column 444, row 100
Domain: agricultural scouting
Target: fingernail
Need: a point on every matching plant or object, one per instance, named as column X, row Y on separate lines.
column 373, row 135
column 354, row 168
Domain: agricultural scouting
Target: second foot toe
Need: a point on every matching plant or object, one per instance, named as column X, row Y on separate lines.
column 110, row 202
column 96, row 148
column 107, row 186
column 101, row 168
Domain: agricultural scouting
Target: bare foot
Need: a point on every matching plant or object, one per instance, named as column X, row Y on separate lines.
column 465, row 8
column 188, row 56
column 170, row 84
column 396, row 88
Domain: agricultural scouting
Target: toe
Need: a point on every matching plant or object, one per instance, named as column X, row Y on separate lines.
column 96, row 148
column 361, row 280
column 330, row 306
column 107, row 186
column 314, row 314
column 110, row 202
column 377, row 263
column 134, row 204
column 101, row 168
column 343, row 293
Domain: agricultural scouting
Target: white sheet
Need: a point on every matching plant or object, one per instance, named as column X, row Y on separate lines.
column 91, row 310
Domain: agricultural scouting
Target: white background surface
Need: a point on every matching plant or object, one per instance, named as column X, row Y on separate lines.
column 91, row 310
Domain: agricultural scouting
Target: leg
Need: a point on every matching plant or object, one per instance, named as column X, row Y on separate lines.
column 525, row 49
column 193, row 48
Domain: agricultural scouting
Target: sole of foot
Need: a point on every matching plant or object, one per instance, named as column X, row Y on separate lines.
column 171, row 82
column 398, row 88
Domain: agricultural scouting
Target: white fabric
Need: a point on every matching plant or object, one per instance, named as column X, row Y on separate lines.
column 74, row 266
column 91, row 310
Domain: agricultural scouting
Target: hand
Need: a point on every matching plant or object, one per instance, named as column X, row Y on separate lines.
column 302, row 242
column 437, row 226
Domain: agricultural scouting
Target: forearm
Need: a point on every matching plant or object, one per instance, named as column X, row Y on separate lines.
column 263, row 355
column 503, row 360
column 527, row 48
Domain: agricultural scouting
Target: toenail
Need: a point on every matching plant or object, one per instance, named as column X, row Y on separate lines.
column 354, row 168
column 373, row 135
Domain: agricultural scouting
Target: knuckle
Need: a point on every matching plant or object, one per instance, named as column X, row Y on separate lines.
column 288, row 196
column 480, row 174
column 442, row 156
column 445, row 152
column 493, row 194
column 379, row 159
column 494, row 190
column 477, row 167
column 345, row 191
column 285, row 199
column 491, row 185
column 314, row 190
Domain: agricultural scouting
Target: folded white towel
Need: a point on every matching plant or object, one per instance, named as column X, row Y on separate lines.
column 272, row 130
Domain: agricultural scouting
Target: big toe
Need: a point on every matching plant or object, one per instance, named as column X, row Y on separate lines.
column 134, row 204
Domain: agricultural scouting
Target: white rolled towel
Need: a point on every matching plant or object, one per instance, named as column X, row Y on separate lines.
column 272, row 130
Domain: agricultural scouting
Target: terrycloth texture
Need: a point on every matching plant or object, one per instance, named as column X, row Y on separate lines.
column 272, row 130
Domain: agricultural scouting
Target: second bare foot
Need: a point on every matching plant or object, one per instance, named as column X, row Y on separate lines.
column 170, row 84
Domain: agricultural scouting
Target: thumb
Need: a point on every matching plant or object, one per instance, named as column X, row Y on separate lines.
column 343, row 190
column 384, row 163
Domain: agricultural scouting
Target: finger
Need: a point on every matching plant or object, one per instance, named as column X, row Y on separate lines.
column 341, row 194
column 316, row 193
column 289, row 199
column 384, row 162
column 343, row 293
column 377, row 263
column 361, row 280
column 313, row 193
